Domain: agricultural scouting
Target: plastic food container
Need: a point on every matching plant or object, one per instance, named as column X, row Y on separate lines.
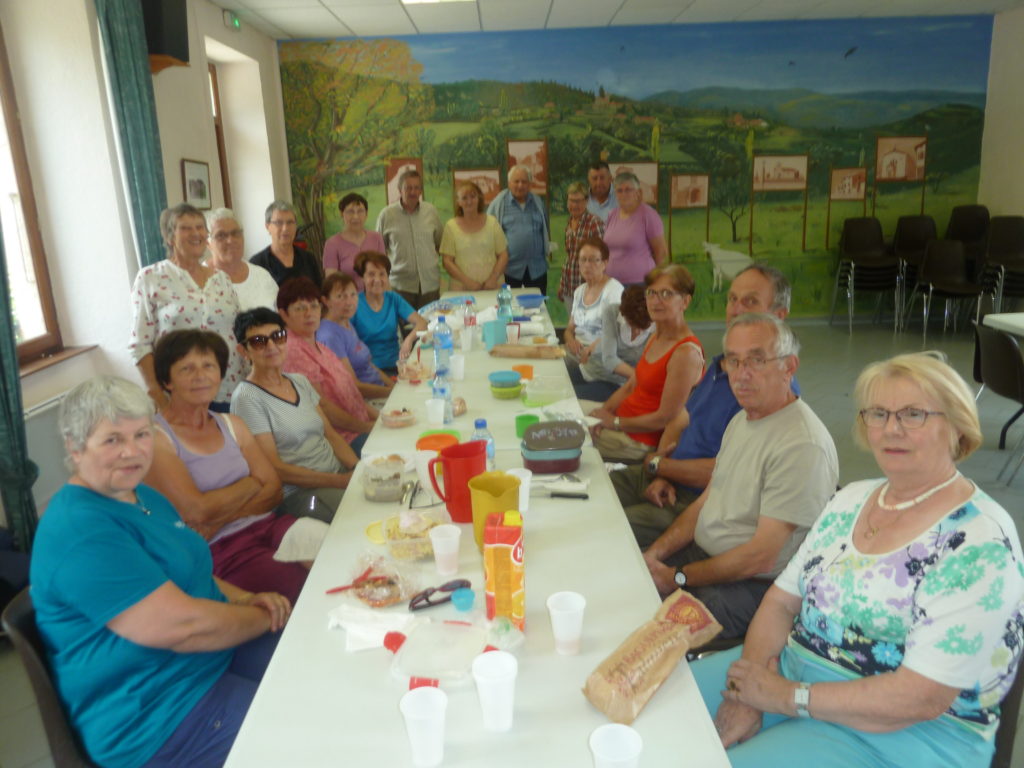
column 411, row 542
column 398, row 418
column 555, row 455
column 382, row 478
column 530, row 300
column 437, row 440
column 551, row 466
column 501, row 379
column 542, row 391
column 506, row 393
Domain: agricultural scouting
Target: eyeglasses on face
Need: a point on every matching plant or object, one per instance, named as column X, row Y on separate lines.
column 427, row 599
column 259, row 340
column 909, row 418
column 664, row 294
column 754, row 362
column 590, row 259
column 221, row 237
column 282, row 222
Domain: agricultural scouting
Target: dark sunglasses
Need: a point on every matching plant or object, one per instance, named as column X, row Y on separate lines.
column 259, row 341
column 426, row 599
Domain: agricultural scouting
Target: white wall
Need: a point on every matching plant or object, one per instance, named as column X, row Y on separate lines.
column 1002, row 151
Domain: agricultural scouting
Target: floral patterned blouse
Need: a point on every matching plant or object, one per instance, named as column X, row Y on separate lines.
column 948, row 605
column 166, row 298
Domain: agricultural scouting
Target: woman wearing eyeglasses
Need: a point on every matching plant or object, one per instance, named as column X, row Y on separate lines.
column 898, row 627
column 254, row 286
column 282, row 410
column 672, row 363
column 634, row 233
column 583, row 332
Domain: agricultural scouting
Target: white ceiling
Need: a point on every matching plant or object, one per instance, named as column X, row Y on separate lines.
column 300, row 19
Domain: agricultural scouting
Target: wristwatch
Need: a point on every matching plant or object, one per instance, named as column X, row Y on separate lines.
column 802, row 699
column 617, row 424
column 652, row 466
column 680, row 577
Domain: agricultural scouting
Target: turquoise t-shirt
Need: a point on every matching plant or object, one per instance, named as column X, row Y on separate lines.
column 379, row 330
column 94, row 557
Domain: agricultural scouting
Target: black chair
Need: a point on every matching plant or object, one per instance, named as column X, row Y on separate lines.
column 865, row 264
column 1009, row 712
column 944, row 274
column 998, row 360
column 969, row 225
column 1004, row 260
column 913, row 233
column 19, row 621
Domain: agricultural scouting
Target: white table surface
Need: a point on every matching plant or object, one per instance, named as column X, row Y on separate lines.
column 1011, row 322
column 319, row 705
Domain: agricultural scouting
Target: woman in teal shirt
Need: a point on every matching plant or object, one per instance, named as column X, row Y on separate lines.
column 380, row 312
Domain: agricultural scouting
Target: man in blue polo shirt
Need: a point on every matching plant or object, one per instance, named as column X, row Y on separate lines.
column 524, row 220
column 654, row 492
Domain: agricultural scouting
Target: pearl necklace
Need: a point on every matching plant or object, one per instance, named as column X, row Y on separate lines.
column 904, row 505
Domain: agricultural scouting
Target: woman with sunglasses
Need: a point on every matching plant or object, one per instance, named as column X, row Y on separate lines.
column 283, row 413
column 632, row 419
column 898, row 627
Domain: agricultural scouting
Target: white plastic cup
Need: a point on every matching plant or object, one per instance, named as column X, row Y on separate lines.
column 495, row 675
column 445, row 541
column 423, row 709
column 566, row 611
column 435, row 411
column 525, row 476
column 466, row 338
column 458, row 364
column 616, row 746
column 512, row 333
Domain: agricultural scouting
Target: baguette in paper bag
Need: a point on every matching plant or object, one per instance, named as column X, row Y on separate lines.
column 624, row 682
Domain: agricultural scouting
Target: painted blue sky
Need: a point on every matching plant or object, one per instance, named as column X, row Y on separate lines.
column 933, row 53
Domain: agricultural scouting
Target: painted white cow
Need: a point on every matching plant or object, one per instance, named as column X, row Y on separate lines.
column 725, row 264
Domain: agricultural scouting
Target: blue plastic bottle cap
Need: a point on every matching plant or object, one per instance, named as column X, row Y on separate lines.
column 480, row 423
column 463, row 599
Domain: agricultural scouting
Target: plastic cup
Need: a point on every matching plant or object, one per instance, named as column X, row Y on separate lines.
column 423, row 709
column 566, row 611
column 495, row 675
column 616, row 746
column 458, row 364
column 435, row 411
column 512, row 333
column 525, row 371
column 523, row 420
column 525, row 476
column 445, row 541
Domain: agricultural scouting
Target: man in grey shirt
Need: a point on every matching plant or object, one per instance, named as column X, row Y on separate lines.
column 412, row 229
column 776, row 469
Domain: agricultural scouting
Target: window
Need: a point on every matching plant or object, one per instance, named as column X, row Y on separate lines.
column 32, row 308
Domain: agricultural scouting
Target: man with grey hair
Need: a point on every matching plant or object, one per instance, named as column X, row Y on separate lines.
column 411, row 229
column 254, row 286
column 776, row 469
column 282, row 259
column 524, row 219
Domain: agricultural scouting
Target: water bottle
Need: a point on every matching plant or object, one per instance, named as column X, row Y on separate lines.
column 505, row 304
column 441, row 387
column 469, row 314
column 480, row 432
column 442, row 347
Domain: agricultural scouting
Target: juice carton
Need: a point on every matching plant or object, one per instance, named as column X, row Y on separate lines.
column 504, row 574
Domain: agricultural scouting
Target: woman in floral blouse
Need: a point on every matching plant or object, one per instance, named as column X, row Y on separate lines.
column 581, row 226
column 182, row 292
column 897, row 628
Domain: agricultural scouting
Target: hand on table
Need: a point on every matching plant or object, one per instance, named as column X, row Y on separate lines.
column 736, row 722
column 274, row 604
column 660, row 492
column 757, row 686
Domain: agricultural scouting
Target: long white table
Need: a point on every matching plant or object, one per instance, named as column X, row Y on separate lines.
column 319, row 705
column 1011, row 322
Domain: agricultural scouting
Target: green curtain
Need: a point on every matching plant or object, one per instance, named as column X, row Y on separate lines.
column 17, row 471
column 131, row 86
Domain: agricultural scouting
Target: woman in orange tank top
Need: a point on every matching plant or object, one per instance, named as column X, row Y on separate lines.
column 633, row 418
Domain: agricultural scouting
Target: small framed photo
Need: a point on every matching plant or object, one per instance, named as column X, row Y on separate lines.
column 689, row 191
column 532, row 153
column 900, row 158
column 648, row 175
column 195, row 183
column 488, row 179
column 780, row 173
column 848, row 184
column 396, row 167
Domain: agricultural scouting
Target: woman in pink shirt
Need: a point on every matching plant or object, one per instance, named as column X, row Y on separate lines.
column 341, row 249
column 634, row 233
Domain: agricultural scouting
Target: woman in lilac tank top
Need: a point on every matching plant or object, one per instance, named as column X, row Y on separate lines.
column 634, row 233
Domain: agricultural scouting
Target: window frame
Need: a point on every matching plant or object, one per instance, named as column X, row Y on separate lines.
column 50, row 342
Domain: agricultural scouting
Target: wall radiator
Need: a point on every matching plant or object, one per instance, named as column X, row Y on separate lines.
column 46, row 449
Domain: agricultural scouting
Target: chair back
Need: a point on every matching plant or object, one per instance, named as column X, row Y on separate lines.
column 912, row 236
column 1009, row 711
column 1006, row 241
column 999, row 362
column 19, row 621
column 862, row 240
column 944, row 265
column 968, row 224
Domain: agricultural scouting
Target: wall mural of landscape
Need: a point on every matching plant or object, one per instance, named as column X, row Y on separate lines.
column 695, row 99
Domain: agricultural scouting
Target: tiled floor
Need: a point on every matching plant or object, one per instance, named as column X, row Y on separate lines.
column 830, row 362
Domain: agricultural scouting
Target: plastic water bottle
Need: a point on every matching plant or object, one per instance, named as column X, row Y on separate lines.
column 505, row 304
column 441, row 387
column 480, row 432
column 442, row 347
column 469, row 314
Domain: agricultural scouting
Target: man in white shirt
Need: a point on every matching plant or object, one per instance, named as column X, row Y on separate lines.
column 411, row 228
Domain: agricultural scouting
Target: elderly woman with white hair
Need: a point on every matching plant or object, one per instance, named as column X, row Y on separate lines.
column 282, row 258
column 182, row 292
column 898, row 627
column 155, row 659
column 253, row 285
column 634, row 233
column 524, row 220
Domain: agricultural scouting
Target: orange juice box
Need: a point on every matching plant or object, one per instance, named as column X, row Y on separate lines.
column 504, row 574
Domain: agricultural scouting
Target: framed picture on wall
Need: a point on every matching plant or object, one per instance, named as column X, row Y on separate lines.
column 689, row 191
column 648, row 175
column 195, row 183
column 848, row 184
column 488, row 179
column 780, row 173
column 533, row 153
column 396, row 167
column 900, row 158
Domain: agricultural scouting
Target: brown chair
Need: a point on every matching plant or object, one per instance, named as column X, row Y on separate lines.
column 865, row 265
column 19, row 621
column 969, row 225
column 944, row 274
column 913, row 233
column 1009, row 712
column 1004, row 260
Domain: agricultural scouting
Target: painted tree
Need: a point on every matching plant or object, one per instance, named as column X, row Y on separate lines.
column 345, row 103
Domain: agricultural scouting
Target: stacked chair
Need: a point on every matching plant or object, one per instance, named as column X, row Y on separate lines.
column 865, row 264
column 969, row 225
column 913, row 233
column 946, row 274
column 1003, row 274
